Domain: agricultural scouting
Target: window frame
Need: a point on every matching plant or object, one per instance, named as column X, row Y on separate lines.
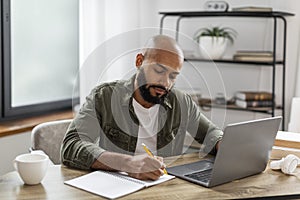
column 6, row 109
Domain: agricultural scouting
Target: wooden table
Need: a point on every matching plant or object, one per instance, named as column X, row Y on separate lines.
column 267, row 184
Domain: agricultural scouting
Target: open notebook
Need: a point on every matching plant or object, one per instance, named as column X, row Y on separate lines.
column 112, row 184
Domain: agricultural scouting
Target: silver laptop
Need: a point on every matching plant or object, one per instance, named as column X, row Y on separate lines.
column 244, row 151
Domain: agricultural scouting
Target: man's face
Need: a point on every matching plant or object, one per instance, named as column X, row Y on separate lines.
column 157, row 75
column 152, row 93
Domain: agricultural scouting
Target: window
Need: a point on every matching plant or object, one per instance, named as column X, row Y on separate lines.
column 39, row 56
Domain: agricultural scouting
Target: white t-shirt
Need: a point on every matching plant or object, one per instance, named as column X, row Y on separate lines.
column 147, row 134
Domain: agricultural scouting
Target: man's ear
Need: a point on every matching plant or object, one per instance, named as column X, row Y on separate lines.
column 139, row 60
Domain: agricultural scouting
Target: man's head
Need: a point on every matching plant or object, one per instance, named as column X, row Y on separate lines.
column 159, row 65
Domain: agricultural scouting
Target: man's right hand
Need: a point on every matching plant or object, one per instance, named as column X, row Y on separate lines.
column 145, row 167
column 141, row 167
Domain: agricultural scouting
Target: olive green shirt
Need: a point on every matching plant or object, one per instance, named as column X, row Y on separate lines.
column 107, row 122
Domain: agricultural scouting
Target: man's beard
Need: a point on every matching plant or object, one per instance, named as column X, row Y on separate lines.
column 144, row 89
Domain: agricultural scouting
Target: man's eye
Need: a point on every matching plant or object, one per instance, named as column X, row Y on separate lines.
column 172, row 77
column 159, row 71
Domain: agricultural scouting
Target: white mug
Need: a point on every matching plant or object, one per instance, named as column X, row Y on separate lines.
column 31, row 167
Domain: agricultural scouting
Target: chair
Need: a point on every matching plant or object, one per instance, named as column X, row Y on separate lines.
column 294, row 125
column 48, row 137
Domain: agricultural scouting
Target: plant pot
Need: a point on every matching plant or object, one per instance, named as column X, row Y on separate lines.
column 212, row 47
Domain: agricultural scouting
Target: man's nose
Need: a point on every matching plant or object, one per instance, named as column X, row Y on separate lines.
column 165, row 81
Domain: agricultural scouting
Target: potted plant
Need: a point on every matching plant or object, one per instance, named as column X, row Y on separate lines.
column 213, row 41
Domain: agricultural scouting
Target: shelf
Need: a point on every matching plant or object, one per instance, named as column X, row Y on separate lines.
column 225, row 14
column 206, row 104
column 274, row 16
column 233, row 61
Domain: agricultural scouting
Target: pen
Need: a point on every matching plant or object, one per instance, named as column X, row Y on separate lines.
column 151, row 154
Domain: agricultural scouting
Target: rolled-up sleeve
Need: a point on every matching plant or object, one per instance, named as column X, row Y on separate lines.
column 80, row 147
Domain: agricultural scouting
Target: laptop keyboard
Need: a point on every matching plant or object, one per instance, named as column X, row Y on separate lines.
column 203, row 176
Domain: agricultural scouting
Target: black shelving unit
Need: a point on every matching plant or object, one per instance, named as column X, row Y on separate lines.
column 276, row 15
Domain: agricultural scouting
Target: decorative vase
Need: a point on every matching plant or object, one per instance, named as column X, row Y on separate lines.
column 212, row 47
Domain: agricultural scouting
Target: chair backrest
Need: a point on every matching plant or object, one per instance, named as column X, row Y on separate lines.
column 48, row 137
column 294, row 125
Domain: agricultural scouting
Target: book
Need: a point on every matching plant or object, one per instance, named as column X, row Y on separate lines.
column 287, row 139
column 253, row 53
column 112, row 184
column 253, row 58
column 253, row 9
column 252, row 95
column 280, row 152
column 253, row 103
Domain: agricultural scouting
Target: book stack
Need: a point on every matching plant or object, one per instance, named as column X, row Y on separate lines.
column 250, row 99
column 286, row 143
column 256, row 56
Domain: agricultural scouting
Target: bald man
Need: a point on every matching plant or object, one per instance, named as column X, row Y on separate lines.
column 118, row 117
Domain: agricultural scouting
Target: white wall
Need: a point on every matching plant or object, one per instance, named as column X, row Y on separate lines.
column 99, row 22
column 11, row 146
column 115, row 17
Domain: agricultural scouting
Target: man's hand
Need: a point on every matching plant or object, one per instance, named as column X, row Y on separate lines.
column 145, row 167
column 141, row 167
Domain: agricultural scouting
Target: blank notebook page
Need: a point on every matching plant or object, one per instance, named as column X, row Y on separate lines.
column 111, row 184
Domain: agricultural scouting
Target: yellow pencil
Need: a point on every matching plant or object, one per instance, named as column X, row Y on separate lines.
column 151, row 154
